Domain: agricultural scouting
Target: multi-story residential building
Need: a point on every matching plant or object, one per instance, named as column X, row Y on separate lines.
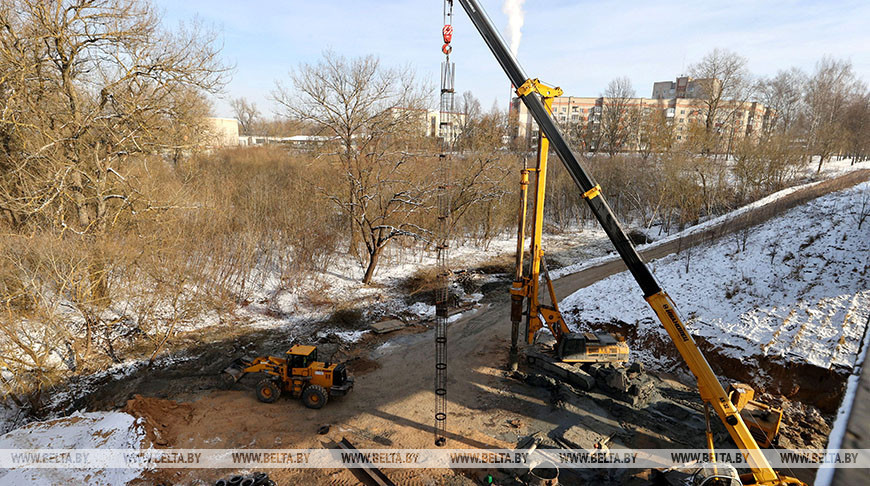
column 685, row 87
column 682, row 108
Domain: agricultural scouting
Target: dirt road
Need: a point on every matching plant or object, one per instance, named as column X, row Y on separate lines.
column 393, row 403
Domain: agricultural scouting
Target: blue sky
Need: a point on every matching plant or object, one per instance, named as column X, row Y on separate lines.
column 578, row 45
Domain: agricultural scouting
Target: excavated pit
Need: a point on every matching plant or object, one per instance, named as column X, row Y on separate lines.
column 771, row 375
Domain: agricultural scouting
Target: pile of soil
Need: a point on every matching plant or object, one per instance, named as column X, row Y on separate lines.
column 163, row 419
column 362, row 365
column 803, row 427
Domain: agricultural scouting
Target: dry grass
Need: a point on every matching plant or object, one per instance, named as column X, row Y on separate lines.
column 422, row 281
column 504, row 263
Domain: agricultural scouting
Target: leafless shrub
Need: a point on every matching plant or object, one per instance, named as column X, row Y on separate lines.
column 423, row 280
column 861, row 210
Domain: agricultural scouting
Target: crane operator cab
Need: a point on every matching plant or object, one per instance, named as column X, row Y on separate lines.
column 588, row 347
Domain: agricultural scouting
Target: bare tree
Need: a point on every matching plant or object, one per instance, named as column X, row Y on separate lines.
column 479, row 169
column 87, row 93
column 470, row 110
column 96, row 96
column 828, row 93
column 861, row 208
column 618, row 117
column 783, row 94
column 656, row 132
column 89, row 85
column 725, row 84
column 765, row 165
column 373, row 112
column 246, row 113
column 856, row 124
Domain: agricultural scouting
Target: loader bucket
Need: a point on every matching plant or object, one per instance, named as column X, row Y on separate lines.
column 232, row 373
column 236, row 370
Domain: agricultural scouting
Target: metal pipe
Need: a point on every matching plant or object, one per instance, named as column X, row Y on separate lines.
column 518, row 285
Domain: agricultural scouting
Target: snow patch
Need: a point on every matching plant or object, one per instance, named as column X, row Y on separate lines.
column 795, row 288
column 346, row 336
column 93, row 430
column 422, row 310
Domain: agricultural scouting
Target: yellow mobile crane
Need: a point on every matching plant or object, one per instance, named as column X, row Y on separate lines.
column 711, row 391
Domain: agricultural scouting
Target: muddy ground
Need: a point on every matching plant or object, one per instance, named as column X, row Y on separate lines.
column 392, row 404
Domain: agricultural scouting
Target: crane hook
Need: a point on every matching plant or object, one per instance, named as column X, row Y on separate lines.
column 447, row 33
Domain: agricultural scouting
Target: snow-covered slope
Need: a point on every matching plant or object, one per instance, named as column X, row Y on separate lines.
column 797, row 288
column 93, row 430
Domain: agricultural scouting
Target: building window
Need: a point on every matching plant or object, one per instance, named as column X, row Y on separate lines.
column 682, row 112
column 679, row 137
column 573, row 108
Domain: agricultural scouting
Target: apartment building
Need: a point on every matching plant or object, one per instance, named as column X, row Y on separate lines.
column 685, row 87
column 681, row 102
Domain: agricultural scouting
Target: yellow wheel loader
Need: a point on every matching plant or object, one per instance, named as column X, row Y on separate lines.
column 298, row 373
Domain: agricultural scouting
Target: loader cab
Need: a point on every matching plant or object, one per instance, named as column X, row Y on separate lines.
column 300, row 356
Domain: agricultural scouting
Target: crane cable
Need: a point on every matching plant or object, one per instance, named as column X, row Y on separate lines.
column 447, row 136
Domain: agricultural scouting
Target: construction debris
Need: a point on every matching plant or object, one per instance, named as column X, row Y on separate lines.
column 256, row 479
column 384, row 327
column 545, row 474
column 581, row 437
column 565, row 372
column 368, row 473
column 630, row 385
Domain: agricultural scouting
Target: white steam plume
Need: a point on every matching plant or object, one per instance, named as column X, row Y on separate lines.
column 516, row 16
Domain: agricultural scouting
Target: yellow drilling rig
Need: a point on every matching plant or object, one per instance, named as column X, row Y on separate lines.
column 570, row 347
column 728, row 406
